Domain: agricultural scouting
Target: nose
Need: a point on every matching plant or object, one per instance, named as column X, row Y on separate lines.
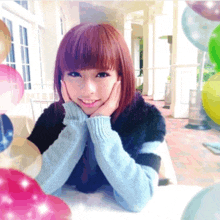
column 88, row 87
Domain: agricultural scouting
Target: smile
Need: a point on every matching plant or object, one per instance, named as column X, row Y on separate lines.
column 89, row 103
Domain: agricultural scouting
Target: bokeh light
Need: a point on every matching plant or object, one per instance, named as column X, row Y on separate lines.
column 211, row 98
column 208, row 9
column 197, row 29
column 22, row 198
column 22, row 155
column 214, row 48
column 5, row 41
column 11, row 88
column 204, row 205
column 6, row 132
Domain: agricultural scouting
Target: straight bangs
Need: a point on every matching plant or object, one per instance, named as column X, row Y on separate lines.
column 90, row 48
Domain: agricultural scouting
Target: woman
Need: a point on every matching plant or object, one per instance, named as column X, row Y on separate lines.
column 100, row 131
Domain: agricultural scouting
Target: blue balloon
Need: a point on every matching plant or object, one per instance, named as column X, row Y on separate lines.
column 6, row 132
column 197, row 29
column 204, row 205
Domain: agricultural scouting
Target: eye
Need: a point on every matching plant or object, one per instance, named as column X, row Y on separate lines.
column 103, row 74
column 74, row 74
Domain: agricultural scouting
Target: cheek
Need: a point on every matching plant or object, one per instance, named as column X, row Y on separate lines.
column 105, row 90
column 72, row 89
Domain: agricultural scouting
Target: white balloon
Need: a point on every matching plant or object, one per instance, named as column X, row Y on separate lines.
column 197, row 29
column 205, row 205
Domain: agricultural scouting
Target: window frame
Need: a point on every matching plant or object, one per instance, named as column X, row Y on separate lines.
column 16, row 23
column 21, row 3
column 25, row 57
column 9, row 61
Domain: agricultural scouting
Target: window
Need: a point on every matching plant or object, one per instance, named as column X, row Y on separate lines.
column 24, row 4
column 10, row 59
column 19, row 56
column 25, row 57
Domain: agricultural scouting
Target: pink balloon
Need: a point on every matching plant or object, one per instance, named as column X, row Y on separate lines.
column 52, row 208
column 18, row 193
column 11, row 88
column 21, row 198
column 61, row 209
column 15, row 182
column 207, row 9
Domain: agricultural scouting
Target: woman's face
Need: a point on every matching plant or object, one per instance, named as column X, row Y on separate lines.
column 90, row 88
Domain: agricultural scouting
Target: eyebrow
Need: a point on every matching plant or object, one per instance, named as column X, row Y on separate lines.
column 78, row 71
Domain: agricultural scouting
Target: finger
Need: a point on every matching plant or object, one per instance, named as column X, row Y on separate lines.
column 115, row 95
column 117, row 87
column 64, row 92
column 119, row 93
column 118, row 90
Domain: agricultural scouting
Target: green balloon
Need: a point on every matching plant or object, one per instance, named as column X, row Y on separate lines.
column 214, row 48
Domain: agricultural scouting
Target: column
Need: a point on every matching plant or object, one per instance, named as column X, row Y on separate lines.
column 127, row 30
column 34, row 55
column 161, row 62
column 148, row 48
column 184, row 65
column 71, row 12
column 136, row 56
column 51, row 37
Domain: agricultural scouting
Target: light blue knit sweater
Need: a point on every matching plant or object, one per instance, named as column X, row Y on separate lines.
column 133, row 184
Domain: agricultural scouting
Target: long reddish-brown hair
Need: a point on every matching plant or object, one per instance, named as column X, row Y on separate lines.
column 92, row 45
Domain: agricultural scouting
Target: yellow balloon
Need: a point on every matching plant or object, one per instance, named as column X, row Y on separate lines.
column 22, row 155
column 5, row 41
column 211, row 98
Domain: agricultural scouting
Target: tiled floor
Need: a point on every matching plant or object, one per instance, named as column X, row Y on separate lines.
column 194, row 164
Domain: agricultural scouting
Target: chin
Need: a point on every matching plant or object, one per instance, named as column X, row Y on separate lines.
column 88, row 113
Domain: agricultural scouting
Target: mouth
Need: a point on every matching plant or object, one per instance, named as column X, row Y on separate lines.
column 89, row 103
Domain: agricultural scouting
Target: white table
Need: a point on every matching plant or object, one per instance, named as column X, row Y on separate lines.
column 168, row 203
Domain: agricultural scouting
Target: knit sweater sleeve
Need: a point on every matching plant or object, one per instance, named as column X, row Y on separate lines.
column 133, row 181
column 61, row 157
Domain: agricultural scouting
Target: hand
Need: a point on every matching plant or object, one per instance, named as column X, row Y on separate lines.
column 111, row 104
column 64, row 92
column 73, row 111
